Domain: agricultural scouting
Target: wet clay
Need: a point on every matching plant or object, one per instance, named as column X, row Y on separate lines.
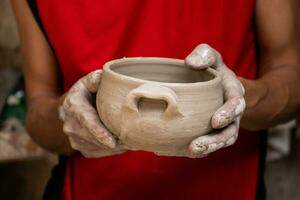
column 158, row 104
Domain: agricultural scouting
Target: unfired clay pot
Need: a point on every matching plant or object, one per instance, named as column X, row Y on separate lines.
column 157, row 104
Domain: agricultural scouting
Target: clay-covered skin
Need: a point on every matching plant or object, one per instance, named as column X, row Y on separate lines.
column 155, row 111
column 158, row 105
column 81, row 122
column 228, row 116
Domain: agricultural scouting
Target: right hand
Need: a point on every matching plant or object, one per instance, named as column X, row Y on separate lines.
column 81, row 122
column 226, row 119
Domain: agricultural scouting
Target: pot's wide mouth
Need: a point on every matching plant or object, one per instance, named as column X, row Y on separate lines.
column 163, row 70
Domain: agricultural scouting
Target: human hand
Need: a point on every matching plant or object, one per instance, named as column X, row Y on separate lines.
column 82, row 124
column 227, row 118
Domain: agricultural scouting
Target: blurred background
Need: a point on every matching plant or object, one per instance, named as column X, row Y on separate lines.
column 25, row 168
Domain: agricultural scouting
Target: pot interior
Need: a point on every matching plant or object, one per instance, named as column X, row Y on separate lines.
column 169, row 73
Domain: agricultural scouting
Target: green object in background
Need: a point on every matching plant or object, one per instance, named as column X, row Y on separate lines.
column 15, row 107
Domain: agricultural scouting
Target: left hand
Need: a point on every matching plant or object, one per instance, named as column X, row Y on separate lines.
column 227, row 118
column 81, row 122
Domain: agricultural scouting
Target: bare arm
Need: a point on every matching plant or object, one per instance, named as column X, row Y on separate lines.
column 42, row 81
column 275, row 96
column 76, row 126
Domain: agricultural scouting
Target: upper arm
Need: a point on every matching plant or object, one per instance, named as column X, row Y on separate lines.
column 40, row 68
column 277, row 34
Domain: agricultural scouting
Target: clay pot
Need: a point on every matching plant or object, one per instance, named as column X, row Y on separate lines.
column 157, row 104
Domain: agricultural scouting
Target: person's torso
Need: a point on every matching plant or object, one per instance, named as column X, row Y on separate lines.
column 86, row 34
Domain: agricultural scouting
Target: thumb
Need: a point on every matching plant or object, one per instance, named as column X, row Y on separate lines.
column 202, row 57
column 92, row 80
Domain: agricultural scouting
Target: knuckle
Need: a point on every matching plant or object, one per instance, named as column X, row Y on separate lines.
column 72, row 100
column 67, row 101
column 230, row 110
column 76, row 100
column 68, row 129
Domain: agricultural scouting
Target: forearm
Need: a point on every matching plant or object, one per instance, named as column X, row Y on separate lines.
column 273, row 98
column 44, row 126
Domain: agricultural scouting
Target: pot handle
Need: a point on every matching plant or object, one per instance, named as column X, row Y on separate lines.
column 156, row 92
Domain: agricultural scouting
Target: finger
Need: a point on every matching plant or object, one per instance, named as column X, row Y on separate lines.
column 88, row 118
column 234, row 100
column 77, row 105
column 73, row 128
column 202, row 57
column 215, row 141
column 77, row 98
column 231, row 84
column 225, row 115
column 86, row 145
column 91, row 150
column 80, row 143
column 92, row 80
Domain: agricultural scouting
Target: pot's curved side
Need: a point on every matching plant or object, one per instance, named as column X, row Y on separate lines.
column 171, row 136
column 147, row 129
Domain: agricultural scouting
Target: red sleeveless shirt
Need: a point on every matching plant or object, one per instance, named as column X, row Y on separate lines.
column 85, row 34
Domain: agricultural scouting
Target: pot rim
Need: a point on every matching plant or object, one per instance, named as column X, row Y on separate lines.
column 159, row 60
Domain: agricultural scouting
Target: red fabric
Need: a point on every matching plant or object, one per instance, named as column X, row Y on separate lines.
column 85, row 34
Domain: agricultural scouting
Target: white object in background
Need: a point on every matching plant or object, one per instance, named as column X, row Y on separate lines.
column 15, row 143
column 279, row 140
